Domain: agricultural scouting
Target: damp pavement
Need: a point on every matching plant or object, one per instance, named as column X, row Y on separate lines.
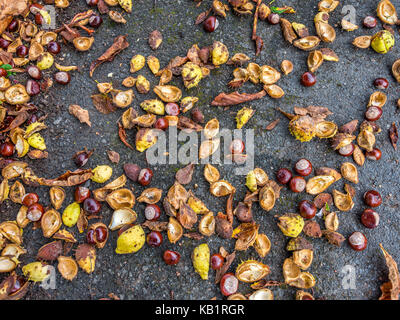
column 344, row 87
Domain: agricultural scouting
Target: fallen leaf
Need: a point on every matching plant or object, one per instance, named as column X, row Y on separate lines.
column 120, row 43
column 202, row 16
column 122, row 136
column 81, row 114
column 228, row 261
column 184, row 175
column 38, row 154
column 393, row 135
column 113, row 156
column 155, row 225
column 193, row 235
column 155, row 39
column 103, row 103
column 230, row 99
column 272, row 125
column 391, row 289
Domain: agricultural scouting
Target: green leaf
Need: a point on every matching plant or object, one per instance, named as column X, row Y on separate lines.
column 276, row 10
column 6, row 66
column 327, row 208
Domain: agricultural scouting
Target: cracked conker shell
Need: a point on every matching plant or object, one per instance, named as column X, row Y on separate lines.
column 67, row 267
column 50, row 223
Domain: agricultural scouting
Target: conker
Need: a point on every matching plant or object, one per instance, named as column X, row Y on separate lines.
column 7, row 149
column 358, row 241
column 152, row 212
column 172, row 109
column 381, row 83
column 303, row 167
column 283, row 175
column 347, row 150
column 273, row 18
column 35, row 212
column 81, row 194
column 308, row 79
column 297, row 184
column 91, row 206
column 229, row 284
column 375, row 154
column 373, row 113
column 171, row 257
column 154, row 239
column 372, row 198
column 307, row 209
column 369, row 22
column 237, row 146
column 30, row 199
column 370, row 218
column 211, row 24
column 145, row 176
column 216, row 261
column 62, row 77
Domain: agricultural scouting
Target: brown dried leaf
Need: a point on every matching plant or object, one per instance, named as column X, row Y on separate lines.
column 234, row 98
column 68, row 179
column 186, row 216
column 184, row 175
column 155, row 39
column 358, row 155
column 287, row 30
column 272, row 125
column 349, row 127
column 391, row 289
column 122, row 136
column 312, row 229
column 103, row 103
column 113, row 156
column 184, row 123
column 193, row 235
column 202, row 16
column 333, row 237
column 393, row 135
column 322, row 199
column 120, row 43
column 155, row 225
column 228, row 261
column 81, row 114
column 313, row 111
